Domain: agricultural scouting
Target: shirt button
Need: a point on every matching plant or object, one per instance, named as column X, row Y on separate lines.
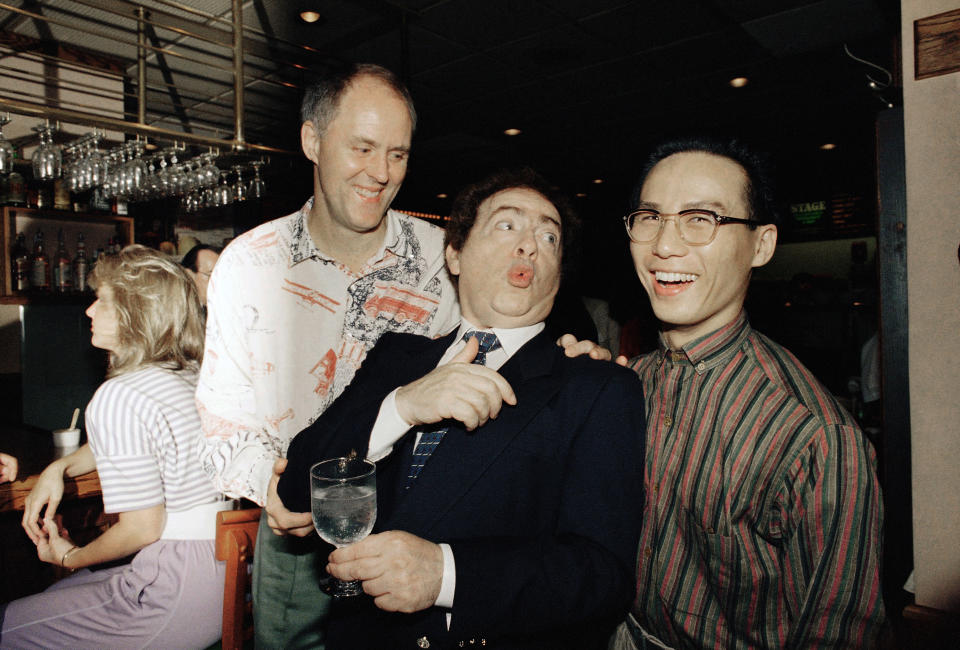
column 668, row 421
column 647, row 552
column 701, row 366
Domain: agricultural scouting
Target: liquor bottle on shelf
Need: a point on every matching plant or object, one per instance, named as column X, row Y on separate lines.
column 98, row 201
column 62, row 267
column 61, row 195
column 16, row 189
column 39, row 265
column 80, row 266
column 20, row 259
column 44, row 190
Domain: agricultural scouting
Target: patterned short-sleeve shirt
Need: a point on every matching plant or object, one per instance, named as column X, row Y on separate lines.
column 287, row 328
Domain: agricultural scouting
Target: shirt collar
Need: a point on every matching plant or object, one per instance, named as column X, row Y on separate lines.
column 711, row 349
column 302, row 246
column 511, row 339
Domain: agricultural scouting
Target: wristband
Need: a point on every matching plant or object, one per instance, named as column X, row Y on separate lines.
column 63, row 560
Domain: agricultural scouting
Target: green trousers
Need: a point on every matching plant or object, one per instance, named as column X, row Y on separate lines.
column 289, row 609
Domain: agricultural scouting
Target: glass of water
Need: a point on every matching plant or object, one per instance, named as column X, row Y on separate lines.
column 343, row 500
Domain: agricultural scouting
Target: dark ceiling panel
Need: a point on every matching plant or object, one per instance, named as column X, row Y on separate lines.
column 741, row 11
column 483, row 25
column 816, row 26
column 647, row 25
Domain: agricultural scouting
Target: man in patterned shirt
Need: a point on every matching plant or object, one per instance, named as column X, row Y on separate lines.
column 294, row 306
column 761, row 522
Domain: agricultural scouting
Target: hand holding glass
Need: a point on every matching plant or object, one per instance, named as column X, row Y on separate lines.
column 343, row 500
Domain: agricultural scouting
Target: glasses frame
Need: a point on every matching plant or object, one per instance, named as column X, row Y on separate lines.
column 675, row 217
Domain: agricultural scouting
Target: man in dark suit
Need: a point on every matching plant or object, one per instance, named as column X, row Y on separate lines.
column 507, row 489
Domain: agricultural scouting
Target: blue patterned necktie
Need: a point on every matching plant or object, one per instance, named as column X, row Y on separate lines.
column 430, row 439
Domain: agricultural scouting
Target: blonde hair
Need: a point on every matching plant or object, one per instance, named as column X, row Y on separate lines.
column 159, row 317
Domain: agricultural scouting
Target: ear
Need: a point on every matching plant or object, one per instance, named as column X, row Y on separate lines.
column 453, row 260
column 309, row 141
column 766, row 243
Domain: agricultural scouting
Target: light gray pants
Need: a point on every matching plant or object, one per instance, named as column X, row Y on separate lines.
column 169, row 596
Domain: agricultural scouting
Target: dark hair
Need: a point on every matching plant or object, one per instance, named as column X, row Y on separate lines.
column 463, row 214
column 190, row 259
column 321, row 100
column 760, row 194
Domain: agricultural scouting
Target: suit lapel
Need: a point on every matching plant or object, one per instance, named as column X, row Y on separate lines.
column 463, row 457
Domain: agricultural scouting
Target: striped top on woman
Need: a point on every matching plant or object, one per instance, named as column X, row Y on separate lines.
column 144, row 432
column 761, row 521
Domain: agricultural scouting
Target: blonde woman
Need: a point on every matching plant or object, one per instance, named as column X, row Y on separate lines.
column 144, row 433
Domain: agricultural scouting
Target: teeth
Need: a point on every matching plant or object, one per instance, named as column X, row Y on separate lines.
column 370, row 194
column 663, row 276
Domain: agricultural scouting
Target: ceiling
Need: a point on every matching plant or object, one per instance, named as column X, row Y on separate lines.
column 590, row 83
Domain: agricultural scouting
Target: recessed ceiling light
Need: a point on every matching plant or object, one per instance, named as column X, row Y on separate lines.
column 739, row 82
column 309, row 16
column 580, row 195
column 828, row 146
column 441, row 195
column 512, row 132
column 597, row 181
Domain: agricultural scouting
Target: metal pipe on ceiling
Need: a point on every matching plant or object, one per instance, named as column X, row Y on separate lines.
column 238, row 142
column 77, row 117
column 128, row 23
column 141, row 67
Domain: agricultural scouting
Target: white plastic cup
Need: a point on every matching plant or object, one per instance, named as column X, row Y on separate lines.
column 66, row 437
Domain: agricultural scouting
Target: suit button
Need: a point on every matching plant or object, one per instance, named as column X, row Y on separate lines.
column 423, row 642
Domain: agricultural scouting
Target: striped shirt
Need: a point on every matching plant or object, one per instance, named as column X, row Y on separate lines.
column 762, row 513
column 288, row 326
column 144, row 432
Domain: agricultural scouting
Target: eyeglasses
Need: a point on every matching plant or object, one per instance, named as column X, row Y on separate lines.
column 696, row 227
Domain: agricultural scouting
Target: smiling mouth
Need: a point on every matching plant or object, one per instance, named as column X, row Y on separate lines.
column 664, row 277
column 669, row 283
column 368, row 194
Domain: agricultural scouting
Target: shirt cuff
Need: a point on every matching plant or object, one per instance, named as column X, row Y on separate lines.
column 388, row 428
column 448, row 584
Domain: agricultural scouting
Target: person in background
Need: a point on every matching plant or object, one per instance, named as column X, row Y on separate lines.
column 144, row 439
column 762, row 516
column 8, row 468
column 199, row 262
column 507, row 473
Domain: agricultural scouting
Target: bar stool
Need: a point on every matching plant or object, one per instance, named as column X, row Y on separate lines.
column 235, row 541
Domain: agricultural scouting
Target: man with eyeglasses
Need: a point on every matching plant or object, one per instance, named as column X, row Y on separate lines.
column 762, row 511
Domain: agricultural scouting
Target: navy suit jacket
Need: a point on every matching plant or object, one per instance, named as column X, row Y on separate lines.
column 540, row 506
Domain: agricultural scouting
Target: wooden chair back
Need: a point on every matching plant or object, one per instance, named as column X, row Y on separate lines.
column 236, row 539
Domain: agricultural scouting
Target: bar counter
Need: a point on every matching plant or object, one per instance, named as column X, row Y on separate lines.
column 81, row 509
column 34, row 450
